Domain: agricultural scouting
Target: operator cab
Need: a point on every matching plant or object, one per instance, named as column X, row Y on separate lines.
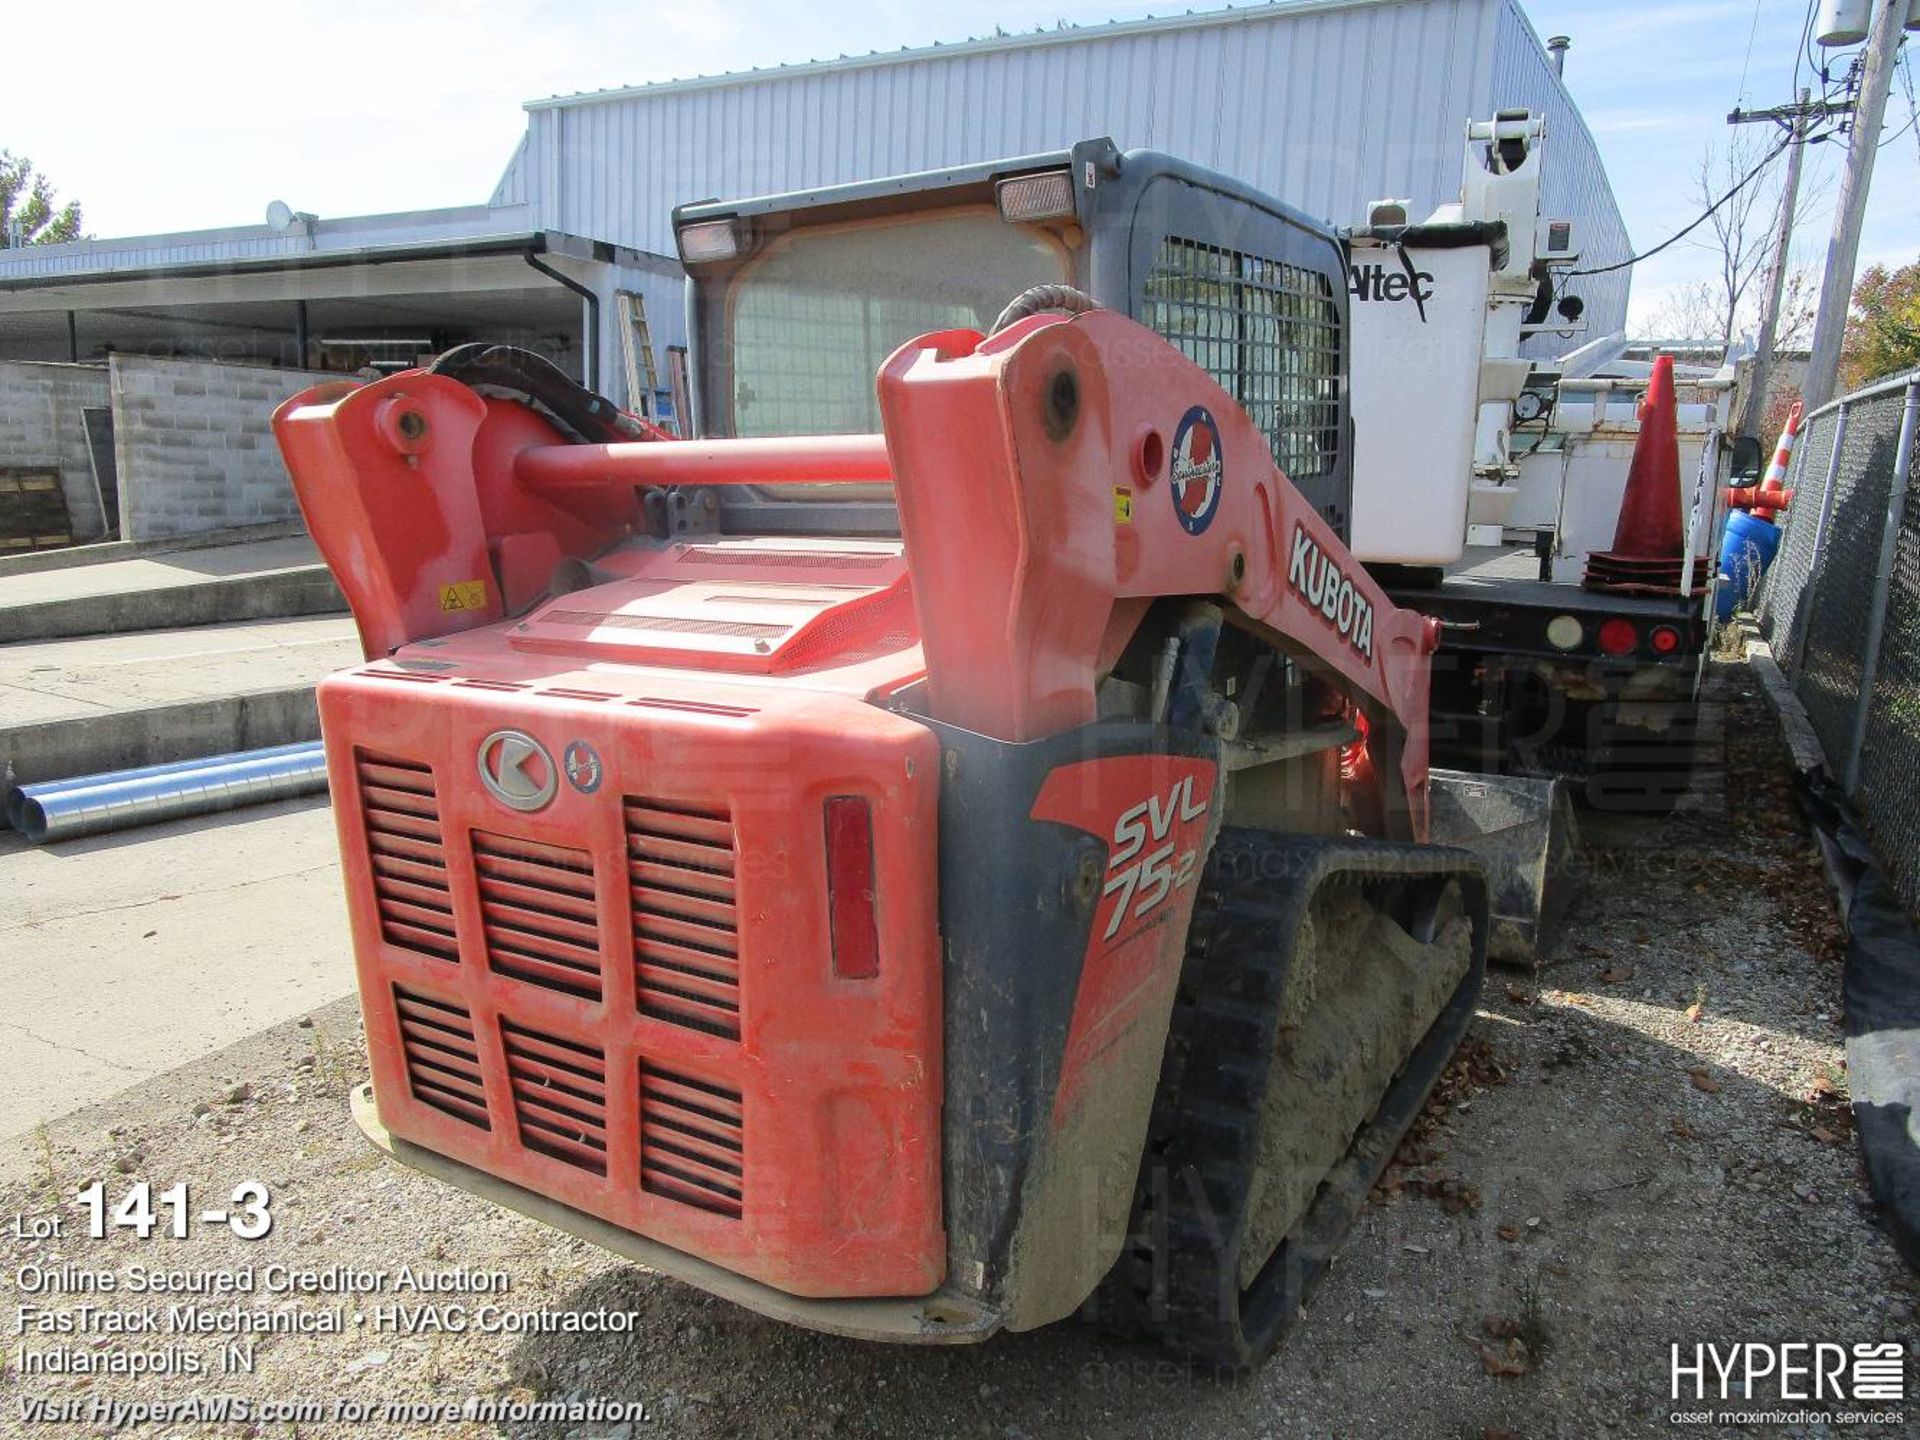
column 795, row 301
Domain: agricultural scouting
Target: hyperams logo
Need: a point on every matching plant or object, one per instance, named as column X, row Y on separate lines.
column 1317, row 578
column 1794, row 1382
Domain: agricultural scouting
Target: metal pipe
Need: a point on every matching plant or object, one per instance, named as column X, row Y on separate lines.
column 121, row 799
column 800, row 459
column 18, row 795
column 1882, row 583
column 591, row 364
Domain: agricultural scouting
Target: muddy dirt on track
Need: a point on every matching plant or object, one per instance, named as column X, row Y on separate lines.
column 1646, row 1143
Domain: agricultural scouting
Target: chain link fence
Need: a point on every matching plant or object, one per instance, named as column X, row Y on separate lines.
column 1841, row 607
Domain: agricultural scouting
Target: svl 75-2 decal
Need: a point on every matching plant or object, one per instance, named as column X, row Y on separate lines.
column 1144, row 880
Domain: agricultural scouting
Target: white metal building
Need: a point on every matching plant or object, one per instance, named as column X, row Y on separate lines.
column 1326, row 104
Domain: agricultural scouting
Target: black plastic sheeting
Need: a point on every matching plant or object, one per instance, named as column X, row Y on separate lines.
column 1882, row 995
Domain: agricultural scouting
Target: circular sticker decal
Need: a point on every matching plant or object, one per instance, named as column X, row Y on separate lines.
column 1197, row 470
column 582, row 764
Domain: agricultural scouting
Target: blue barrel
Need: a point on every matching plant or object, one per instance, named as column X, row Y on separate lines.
column 1745, row 553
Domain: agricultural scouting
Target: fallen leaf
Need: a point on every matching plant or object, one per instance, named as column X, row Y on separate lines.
column 1494, row 1432
column 1501, row 1327
column 1694, row 1011
column 1681, row 1129
column 1703, row 1081
column 1824, row 1135
column 1574, row 997
column 1820, row 1088
column 1508, row 1233
column 1616, row 974
column 1518, row 996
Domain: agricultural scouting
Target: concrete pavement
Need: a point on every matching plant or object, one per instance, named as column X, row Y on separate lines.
column 207, row 586
column 124, row 956
column 73, row 707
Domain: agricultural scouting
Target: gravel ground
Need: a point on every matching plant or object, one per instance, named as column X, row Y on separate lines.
column 1646, row 1143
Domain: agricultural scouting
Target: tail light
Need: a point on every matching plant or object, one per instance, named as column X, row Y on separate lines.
column 856, row 941
column 1353, row 755
column 1618, row 637
column 1665, row 639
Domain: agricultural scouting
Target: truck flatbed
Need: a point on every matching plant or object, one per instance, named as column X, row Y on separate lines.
column 1494, row 601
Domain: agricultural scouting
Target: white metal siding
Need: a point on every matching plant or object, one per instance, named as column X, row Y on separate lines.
column 512, row 189
column 1326, row 107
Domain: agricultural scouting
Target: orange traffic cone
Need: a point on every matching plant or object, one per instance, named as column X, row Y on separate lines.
column 1649, row 540
column 1649, row 526
column 1774, row 484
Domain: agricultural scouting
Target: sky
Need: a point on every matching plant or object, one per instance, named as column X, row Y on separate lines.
column 194, row 116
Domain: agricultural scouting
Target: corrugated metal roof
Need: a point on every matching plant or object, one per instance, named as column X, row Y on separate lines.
column 248, row 244
column 1062, row 33
column 1325, row 106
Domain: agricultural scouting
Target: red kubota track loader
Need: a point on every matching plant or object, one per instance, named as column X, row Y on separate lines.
column 908, row 935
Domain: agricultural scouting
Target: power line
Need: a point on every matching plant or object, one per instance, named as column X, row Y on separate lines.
column 1906, row 84
column 1701, row 219
column 1746, row 64
column 1800, row 52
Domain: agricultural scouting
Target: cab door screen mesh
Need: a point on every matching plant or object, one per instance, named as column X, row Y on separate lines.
column 1267, row 332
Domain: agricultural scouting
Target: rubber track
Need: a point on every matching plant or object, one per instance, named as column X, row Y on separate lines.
column 1177, row 1278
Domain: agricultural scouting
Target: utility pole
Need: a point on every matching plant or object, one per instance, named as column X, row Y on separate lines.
column 1797, row 118
column 1843, row 250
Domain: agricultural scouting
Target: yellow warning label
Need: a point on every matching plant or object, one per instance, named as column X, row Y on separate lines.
column 1123, row 507
column 464, row 595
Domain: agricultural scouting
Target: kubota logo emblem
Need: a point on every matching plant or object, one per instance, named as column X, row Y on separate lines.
column 1317, row 578
column 1197, row 470
column 517, row 770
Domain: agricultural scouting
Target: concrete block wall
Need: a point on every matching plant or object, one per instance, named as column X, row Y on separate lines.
column 194, row 444
column 40, row 425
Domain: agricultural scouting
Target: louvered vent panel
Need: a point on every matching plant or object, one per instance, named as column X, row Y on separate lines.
column 443, row 1058
column 559, row 1095
column 409, row 858
column 538, row 905
column 686, row 942
column 692, row 1141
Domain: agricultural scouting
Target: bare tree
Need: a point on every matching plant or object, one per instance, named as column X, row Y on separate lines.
column 1799, row 304
column 1740, row 237
column 1690, row 312
column 1740, row 232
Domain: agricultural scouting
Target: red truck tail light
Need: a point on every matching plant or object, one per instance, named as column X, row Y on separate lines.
column 1618, row 637
column 1665, row 639
column 856, row 941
